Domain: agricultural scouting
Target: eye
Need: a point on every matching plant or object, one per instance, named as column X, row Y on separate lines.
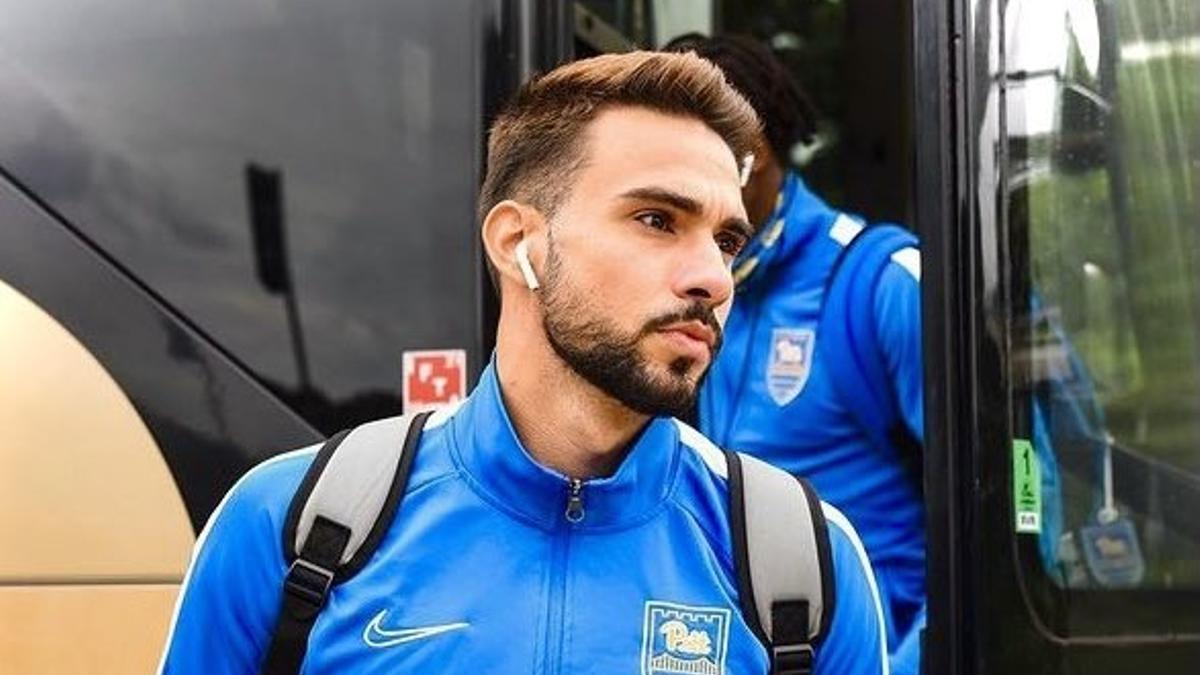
column 654, row 220
column 731, row 243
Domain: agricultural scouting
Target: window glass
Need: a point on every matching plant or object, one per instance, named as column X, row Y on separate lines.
column 148, row 126
column 1103, row 189
column 650, row 24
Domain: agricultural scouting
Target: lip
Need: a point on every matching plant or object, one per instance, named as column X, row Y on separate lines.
column 693, row 330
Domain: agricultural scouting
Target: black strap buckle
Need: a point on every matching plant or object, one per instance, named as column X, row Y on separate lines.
column 792, row 659
column 308, row 582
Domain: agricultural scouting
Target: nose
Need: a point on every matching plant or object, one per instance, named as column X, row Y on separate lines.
column 703, row 274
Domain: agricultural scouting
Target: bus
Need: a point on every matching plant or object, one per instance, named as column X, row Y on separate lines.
column 229, row 228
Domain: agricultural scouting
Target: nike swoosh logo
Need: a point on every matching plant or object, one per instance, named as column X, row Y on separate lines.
column 375, row 635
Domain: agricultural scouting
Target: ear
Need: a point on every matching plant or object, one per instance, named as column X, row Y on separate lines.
column 504, row 227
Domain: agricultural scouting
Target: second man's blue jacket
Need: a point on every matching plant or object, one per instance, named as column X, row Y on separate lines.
column 770, row 393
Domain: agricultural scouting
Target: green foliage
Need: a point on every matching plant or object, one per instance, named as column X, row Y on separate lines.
column 1127, row 280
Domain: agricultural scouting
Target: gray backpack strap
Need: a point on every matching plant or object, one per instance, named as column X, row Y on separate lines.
column 783, row 561
column 336, row 520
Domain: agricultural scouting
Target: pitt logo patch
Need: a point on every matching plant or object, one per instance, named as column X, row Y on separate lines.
column 682, row 640
column 790, row 363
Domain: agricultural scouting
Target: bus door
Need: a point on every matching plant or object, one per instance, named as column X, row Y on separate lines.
column 1059, row 203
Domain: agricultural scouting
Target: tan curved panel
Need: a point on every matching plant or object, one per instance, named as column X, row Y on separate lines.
column 84, row 490
column 78, row 630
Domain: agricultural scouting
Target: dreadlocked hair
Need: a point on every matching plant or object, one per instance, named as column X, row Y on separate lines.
column 787, row 113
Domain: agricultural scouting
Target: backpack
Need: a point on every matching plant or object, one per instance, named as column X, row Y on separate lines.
column 351, row 493
column 847, row 325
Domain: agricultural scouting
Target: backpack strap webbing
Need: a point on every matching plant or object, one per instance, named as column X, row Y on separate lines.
column 782, row 557
column 859, row 372
column 335, row 521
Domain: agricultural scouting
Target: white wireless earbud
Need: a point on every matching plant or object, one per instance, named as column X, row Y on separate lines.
column 747, row 167
column 522, row 253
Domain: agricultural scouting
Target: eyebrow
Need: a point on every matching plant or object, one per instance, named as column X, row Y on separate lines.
column 687, row 205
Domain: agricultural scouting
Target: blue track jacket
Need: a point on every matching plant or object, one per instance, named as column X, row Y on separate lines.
column 770, row 394
column 481, row 572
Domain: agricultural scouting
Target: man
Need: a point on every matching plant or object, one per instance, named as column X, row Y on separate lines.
column 779, row 390
column 559, row 513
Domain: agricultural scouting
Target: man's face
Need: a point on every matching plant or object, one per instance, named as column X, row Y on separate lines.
column 636, row 281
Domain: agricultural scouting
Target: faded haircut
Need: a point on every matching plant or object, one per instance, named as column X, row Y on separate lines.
column 536, row 145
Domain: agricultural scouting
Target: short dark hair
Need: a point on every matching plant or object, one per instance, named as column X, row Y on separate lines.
column 787, row 113
column 535, row 145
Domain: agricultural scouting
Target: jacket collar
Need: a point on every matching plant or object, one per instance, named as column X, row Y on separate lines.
column 487, row 449
column 798, row 217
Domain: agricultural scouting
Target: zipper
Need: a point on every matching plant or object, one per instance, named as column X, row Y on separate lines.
column 573, row 513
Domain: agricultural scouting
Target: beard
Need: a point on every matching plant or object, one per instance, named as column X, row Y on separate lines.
column 610, row 359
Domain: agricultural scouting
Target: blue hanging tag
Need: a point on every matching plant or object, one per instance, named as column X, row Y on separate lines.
column 1112, row 553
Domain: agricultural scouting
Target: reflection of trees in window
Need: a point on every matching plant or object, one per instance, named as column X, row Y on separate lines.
column 1159, row 141
column 1112, row 208
column 1104, row 159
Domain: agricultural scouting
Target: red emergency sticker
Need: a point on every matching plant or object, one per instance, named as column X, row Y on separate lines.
column 434, row 378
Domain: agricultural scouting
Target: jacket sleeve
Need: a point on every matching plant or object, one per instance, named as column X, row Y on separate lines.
column 230, row 595
column 856, row 642
column 897, row 305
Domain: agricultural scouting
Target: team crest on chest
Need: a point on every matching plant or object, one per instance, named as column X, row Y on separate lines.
column 684, row 640
column 790, row 362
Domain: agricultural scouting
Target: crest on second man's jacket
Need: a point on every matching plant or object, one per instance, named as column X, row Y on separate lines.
column 790, row 362
column 682, row 640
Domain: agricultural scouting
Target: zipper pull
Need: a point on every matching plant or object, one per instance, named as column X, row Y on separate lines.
column 575, row 510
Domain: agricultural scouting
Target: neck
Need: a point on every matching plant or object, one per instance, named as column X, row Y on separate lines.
column 563, row 421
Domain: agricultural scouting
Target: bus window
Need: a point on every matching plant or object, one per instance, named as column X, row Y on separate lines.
column 140, row 125
column 1103, row 193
